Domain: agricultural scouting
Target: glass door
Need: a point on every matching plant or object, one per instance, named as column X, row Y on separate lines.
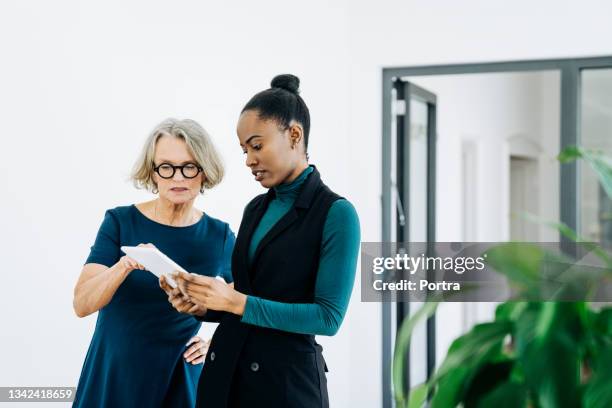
column 595, row 207
column 414, row 191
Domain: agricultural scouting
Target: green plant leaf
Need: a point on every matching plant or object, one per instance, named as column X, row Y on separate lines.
column 519, row 262
column 603, row 323
column 569, row 154
column 450, row 389
column 549, row 340
column 538, row 274
column 598, row 392
column 466, row 354
column 510, row 310
column 572, row 235
column 418, row 396
column 506, row 395
column 599, row 162
column 488, row 377
column 599, row 335
column 402, row 343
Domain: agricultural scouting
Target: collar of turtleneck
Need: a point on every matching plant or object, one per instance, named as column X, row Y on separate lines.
column 290, row 191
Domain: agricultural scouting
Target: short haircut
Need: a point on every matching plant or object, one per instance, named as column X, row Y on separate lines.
column 199, row 144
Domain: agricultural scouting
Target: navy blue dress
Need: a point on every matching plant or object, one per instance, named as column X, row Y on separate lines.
column 135, row 358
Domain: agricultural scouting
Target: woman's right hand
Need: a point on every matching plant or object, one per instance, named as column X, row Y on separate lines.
column 98, row 283
column 179, row 301
column 129, row 264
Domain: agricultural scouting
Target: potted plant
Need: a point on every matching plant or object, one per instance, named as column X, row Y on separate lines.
column 533, row 354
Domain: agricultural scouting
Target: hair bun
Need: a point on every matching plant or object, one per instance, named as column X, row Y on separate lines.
column 287, row 82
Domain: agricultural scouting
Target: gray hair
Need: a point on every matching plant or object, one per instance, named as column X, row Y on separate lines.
column 199, row 144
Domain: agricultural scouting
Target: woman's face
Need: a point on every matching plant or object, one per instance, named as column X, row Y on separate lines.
column 268, row 149
column 178, row 189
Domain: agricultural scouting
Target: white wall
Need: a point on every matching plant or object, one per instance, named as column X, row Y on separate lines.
column 82, row 83
column 391, row 33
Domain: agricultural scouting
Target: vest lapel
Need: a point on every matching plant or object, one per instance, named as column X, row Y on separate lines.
column 279, row 227
column 303, row 200
column 244, row 237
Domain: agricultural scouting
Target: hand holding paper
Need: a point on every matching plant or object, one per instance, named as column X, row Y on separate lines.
column 212, row 293
column 154, row 260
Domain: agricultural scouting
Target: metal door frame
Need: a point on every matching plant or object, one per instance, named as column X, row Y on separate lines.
column 570, row 70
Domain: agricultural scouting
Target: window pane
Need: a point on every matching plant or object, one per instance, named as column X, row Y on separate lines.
column 418, row 172
column 596, row 133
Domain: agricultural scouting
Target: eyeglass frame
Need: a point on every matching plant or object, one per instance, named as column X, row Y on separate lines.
column 156, row 169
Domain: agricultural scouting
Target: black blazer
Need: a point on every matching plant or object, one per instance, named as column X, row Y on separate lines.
column 253, row 366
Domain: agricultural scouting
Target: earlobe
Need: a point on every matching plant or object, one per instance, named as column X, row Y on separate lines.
column 155, row 188
column 296, row 135
column 203, row 184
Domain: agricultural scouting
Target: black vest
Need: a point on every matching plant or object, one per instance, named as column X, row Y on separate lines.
column 252, row 365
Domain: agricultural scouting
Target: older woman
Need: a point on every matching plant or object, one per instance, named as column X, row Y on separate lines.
column 143, row 352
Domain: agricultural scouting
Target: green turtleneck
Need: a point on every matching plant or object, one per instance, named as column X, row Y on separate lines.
column 335, row 277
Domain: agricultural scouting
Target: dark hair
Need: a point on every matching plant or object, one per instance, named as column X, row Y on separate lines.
column 282, row 103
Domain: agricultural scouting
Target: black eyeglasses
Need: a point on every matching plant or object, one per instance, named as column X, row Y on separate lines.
column 167, row 170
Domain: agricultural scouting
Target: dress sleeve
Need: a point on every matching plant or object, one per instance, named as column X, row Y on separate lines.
column 228, row 249
column 106, row 248
column 225, row 273
column 333, row 286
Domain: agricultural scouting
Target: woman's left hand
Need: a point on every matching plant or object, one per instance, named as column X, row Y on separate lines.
column 196, row 353
column 179, row 301
column 211, row 293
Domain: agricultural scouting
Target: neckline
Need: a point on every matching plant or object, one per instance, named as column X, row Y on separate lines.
column 142, row 215
column 292, row 187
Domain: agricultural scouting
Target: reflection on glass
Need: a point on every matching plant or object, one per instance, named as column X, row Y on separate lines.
column 418, row 171
column 417, row 224
column 596, row 133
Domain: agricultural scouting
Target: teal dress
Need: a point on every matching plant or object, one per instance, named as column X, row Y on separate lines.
column 135, row 358
column 335, row 275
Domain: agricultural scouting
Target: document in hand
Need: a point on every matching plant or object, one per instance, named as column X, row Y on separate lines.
column 155, row 261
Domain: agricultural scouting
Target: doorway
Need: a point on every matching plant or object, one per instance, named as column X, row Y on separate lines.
column 523, row 174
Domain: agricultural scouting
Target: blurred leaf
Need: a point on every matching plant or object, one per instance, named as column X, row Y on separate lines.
column 466, row 354
column 520, row 262
column 507, row 395
column 418, row 396
column 549, row 337
column 598, row 393
column 569, row 154
column 572, row 235
column 524, row 332
column 402, row 344
column 488, row 377
column 599, row 162
column 603, row 322
column 536, row 273
column 451, row 388
column 599, row 335
column 510, row 311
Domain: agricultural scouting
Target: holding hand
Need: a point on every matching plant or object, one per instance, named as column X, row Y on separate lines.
column 210, row 293
column 179, row 301
column 197, row 352
column 130, row 264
